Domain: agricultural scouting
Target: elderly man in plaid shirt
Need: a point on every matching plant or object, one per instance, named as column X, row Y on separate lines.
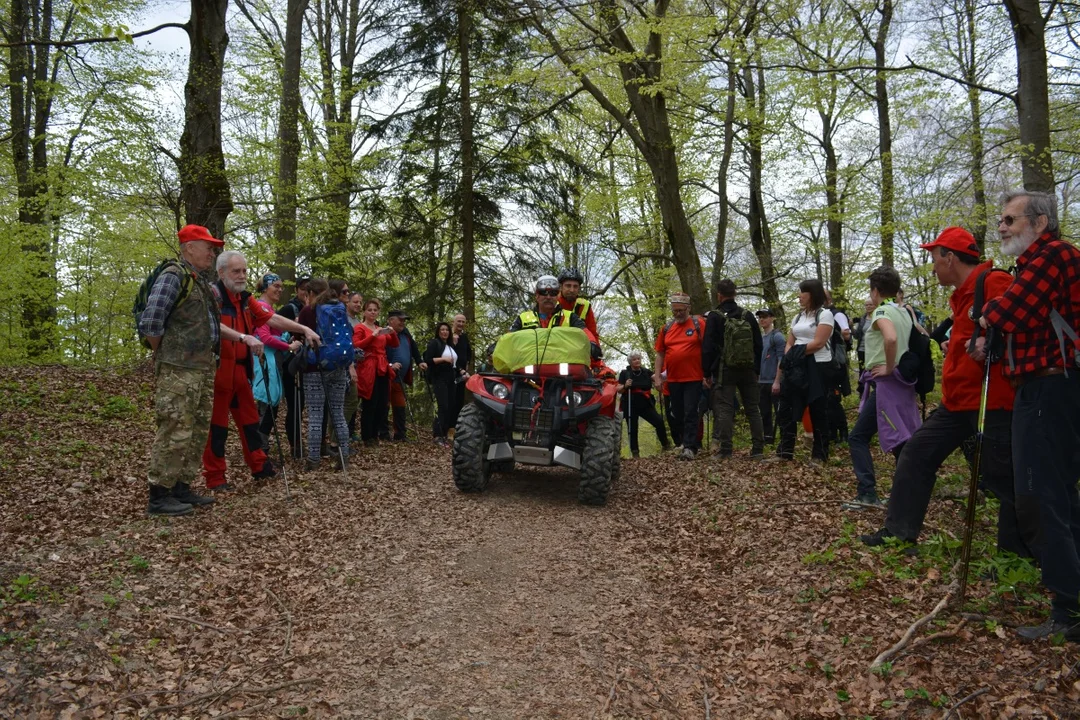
column 1038, row 312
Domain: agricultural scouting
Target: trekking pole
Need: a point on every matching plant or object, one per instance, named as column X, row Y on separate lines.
column 976, row 465
column 273, row 413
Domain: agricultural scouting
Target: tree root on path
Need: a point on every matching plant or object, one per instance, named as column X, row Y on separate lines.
column 902, row 644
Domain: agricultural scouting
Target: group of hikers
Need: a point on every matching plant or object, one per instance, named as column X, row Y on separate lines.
column 1010, row 376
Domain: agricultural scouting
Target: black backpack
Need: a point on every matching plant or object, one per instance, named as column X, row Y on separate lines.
column 917, row 364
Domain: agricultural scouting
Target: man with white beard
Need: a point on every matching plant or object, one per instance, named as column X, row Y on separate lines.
column 1039, row 314
column 241, row 313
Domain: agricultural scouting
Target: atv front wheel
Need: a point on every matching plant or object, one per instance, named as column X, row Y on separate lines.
column 616, row 455
column 596, row 462
column 471, row 468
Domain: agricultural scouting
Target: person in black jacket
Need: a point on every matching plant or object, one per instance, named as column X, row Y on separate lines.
column 635, row 382
column 460, row 339
column 723, row 379
column 291, row 391
column 443, row 374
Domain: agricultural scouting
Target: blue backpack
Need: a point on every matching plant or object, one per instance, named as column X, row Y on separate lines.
column 336, row 351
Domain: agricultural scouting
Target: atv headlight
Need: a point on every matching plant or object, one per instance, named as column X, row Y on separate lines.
column 577, row 398
column 500, row 391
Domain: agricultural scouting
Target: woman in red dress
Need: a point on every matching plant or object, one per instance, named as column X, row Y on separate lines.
column 373, row 373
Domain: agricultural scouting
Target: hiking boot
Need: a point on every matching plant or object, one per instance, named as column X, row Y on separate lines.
column 162, row 502
column 341, row 462
column 182, row 492
column 666, row 447
column 876, row 539
column 635, row 454
column 862, row 501
column 222, row 488
column 686, row 454
column 1070, row 630
column 757, row 453
column 311, row 465
column 266, row 472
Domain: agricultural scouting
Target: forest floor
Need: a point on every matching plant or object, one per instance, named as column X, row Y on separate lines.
column 701, row 590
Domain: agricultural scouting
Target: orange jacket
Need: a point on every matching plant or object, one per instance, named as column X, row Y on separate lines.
column 961, row 376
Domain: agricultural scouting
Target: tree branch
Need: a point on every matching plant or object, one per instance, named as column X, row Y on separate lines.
column 97, row 40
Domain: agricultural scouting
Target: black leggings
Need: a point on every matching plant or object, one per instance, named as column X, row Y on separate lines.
column 371, row 410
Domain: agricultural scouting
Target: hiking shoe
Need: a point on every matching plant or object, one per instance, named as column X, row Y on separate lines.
column 686, row 454
column 757, row 453
column 182, row 493
column 1071, row 631
column 222, row 488
column 266, row 472
column 341, row 461
column 862, row 501
column 877, row 539
column 163, row 503
column 311, row 465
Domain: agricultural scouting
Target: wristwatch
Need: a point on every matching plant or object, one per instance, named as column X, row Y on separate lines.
column 243, row 337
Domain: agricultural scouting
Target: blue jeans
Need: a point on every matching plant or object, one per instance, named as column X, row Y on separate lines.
column 859, row 438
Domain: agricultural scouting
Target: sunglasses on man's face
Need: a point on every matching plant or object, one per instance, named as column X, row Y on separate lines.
column 1008, row 220
column 547, row 293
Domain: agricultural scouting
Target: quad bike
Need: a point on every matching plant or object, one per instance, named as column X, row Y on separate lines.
column 542, row 414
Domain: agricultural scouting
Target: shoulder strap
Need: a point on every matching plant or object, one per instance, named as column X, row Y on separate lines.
column 1061, row 329
column 697, row 324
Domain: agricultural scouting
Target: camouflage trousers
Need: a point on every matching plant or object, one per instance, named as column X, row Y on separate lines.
column 183, row 402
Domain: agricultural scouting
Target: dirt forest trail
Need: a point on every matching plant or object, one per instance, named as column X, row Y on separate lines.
column 695, row 593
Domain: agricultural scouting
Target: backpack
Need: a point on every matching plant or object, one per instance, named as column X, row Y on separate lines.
column 143, row 295
column 738, row 342
column 336, row 350
column 917, row 364
column 836, row 340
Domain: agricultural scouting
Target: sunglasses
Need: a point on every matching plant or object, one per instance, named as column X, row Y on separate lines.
column 547, row 293
column 1008, row 220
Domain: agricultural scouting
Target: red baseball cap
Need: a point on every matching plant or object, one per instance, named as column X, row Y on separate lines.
column 190, row 233
column 956, row 239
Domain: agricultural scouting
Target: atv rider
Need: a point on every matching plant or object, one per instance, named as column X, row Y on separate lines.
column 570, row 281
column 547, row 313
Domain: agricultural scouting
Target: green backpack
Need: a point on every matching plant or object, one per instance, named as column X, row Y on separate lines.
column 143, row 295
column 738, row 342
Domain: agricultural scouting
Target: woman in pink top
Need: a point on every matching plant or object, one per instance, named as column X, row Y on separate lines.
column 373, row 373
column 270, row 287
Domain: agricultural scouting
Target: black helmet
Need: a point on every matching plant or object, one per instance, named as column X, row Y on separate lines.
column 570, row 274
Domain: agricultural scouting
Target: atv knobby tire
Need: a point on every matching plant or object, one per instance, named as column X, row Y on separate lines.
column 596, row 462
column 471, row 468
column 616, row 455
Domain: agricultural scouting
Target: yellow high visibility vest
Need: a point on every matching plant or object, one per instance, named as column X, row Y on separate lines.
column 529, row 319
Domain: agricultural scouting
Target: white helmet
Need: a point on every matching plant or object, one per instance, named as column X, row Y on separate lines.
column 547, row 282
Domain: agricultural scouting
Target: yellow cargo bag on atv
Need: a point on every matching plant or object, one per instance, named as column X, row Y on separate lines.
column 541, row 346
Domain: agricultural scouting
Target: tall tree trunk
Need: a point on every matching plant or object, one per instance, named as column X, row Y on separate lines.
column 434, row 179
column 289, row 143
column 338, row 93
column 650, row 130
column 970, row 71
column 720, row 251
column 881, row 93
column 835, row 218
column 468, row 250
column 1033, row 102
column 30, row 99
column 203, row 182
column 760, row 237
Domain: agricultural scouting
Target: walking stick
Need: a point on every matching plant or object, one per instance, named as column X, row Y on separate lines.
column 973, row 485
column 273, row 413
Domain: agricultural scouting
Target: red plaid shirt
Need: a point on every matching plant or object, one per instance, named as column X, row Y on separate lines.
column 1048, row 276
